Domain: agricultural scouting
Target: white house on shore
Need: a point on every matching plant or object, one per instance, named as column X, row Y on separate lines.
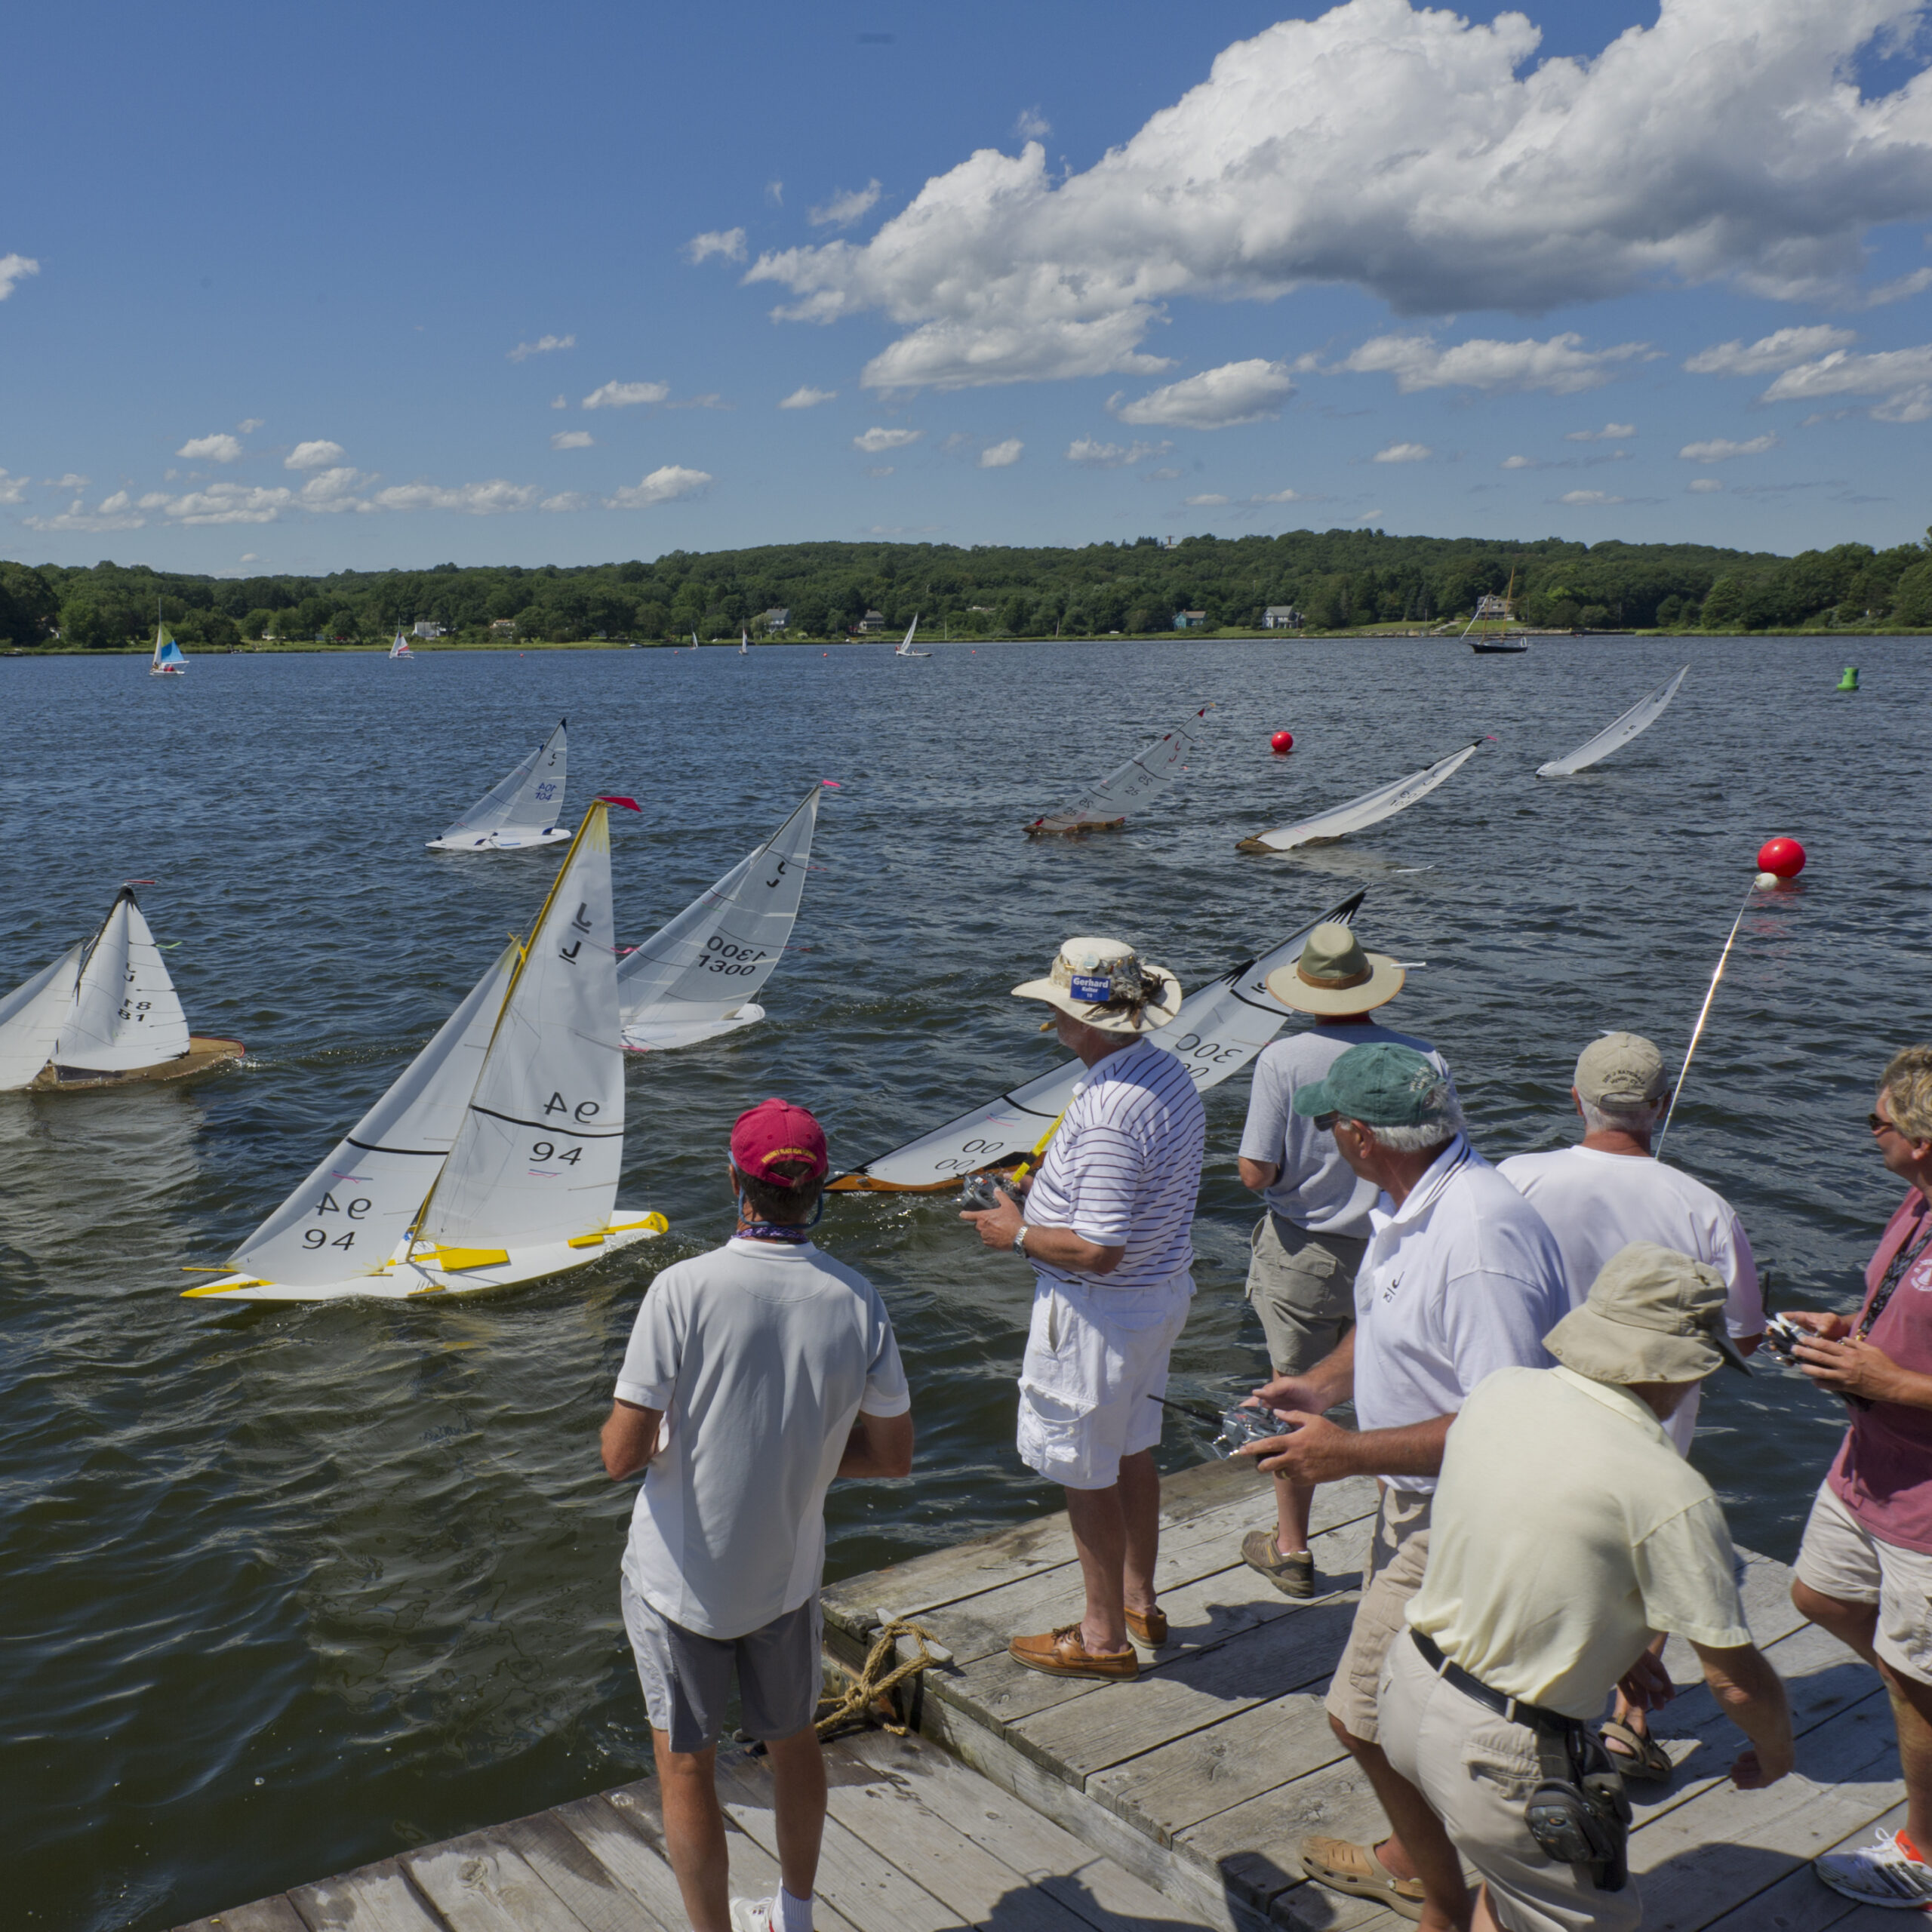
column 1280, row 617
column 428, row 628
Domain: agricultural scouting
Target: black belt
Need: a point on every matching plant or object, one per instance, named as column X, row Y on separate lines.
column 1536, row 1716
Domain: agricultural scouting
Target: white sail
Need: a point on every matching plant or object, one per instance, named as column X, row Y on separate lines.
column 697, row 976
column 536, row 1159
column 401, row 647
column 349, row 1217
column 523, row 809
column 30, row 1019
column 126, row 1013
column 904, row 647
column 1371, row 808
column 1218, row 1030
column 1639, row 718
column 1129, row 785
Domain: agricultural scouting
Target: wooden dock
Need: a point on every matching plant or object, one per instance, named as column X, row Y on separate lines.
column 1030, row 1803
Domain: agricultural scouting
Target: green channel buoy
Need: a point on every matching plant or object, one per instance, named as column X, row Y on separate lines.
column 1848, row 682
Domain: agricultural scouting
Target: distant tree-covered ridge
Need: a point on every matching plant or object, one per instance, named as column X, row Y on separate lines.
column 1339, row 580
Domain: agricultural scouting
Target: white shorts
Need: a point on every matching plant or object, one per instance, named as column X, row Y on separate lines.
column 1841, row 1558
column 1094, row 1357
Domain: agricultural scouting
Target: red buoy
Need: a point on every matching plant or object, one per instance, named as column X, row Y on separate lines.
column 1281, row 743
column 1782, row 858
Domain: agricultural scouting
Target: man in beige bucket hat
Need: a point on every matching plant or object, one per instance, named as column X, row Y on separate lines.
column 1305, row 1248
column 1106, row 1228
column 1567, row 1532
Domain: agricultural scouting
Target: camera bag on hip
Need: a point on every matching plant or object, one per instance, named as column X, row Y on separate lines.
column 1579, row 1814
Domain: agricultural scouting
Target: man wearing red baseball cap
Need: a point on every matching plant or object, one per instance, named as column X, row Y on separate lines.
column 756, row 1374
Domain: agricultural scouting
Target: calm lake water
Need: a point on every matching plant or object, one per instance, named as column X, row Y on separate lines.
column 288, row 1590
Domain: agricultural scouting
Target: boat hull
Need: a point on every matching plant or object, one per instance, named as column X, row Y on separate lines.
column 1047, row 827
column 205, row 1054
column 657, row 1036
column 402, row 1279
column 504, row 841
column 1498, row 650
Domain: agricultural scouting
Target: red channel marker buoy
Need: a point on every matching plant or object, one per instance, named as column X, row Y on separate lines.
column 1283, row 742
column 1782, row 858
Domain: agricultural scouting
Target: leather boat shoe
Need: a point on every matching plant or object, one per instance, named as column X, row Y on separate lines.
column 1061, row 1653
column 1147, row 1628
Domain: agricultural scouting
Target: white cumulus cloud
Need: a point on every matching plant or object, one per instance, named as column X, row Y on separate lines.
column 1521, row 462
column 13, row 489
column 70, row 481
column 1427, row 159
column 1561, row 365
column 806, row 397
column 1032, row 125
column 845, row 207
column 1287, row 496
column 1203, row 503
column 249, row 425
column 1096, row 455
column 572, row 439
column 211, row 449
column 728, row 242
column 1215, row 399
column 1611, row 432
column 626, row 396
column 1770, row 353
column 1578, row 499
column 14, row 269
column 1719, row 448
column 1001, row 455
column 490, row 499
column 565, row 500
column 875, row 441
column 317, row 455
column 1403, row 453
column 1900, row 378
column 1703, row 486
column 661, row 486
column 544, row 345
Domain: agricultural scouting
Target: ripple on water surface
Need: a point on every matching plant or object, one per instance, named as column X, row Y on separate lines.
column 291, row 1588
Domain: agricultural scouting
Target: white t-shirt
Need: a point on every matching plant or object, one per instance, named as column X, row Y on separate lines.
column 1596, row 1204
column 1316, row 1188
column 1123, row 1169
column 1459, row 1281
column 760, row 1354
column 1566, row 1532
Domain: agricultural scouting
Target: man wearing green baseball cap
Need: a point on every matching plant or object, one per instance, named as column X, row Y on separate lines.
column 1461, row 1278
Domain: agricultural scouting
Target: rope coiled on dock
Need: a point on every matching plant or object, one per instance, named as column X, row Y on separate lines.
column 870, row 1683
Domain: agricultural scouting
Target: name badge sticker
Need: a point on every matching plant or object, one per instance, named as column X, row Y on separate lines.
column 1097, row 988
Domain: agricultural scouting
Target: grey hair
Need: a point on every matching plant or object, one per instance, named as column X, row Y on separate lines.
column 1644, row 1118
column 1446, row 1124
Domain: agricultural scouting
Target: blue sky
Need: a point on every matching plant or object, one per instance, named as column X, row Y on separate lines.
column 353, row 286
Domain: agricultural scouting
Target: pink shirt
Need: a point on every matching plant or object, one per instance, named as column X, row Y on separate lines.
column 1884, row 1471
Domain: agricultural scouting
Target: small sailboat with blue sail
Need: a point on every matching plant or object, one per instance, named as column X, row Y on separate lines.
column 170, row 661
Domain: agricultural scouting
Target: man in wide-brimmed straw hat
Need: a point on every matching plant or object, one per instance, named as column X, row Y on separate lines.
column 1106, row 1229
column 1567, row 1534
column 1305, row 1248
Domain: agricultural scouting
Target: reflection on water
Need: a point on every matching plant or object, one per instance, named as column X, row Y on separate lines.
column 291, row 1587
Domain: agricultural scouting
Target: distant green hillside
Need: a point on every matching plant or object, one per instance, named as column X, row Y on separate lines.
column 1338, row 579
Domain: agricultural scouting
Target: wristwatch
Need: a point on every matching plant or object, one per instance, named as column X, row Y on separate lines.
column 1020, row 1241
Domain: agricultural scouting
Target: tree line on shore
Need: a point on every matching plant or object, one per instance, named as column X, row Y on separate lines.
column 1338, row 580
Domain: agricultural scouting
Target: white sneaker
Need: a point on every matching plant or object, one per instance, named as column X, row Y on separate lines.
column 755, row 1915
column 1886, row 1872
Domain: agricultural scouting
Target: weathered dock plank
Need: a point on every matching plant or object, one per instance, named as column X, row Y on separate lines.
column 264, row 1915
column 377, row 1898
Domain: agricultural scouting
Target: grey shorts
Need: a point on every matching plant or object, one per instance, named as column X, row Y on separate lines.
column 1398, row 1554
column 687, row 1678
column 1303, row 1285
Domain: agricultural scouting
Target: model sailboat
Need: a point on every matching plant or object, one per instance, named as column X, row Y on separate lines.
column 494, row 1157
column 1371, row 808
column 400, row 648
column 1639, row 719
column 1218, row 1030
column 521, row 810
column 169, row 659
column 104, row 1014
column 1145, row 775
column 699, row 976
column 904, row 647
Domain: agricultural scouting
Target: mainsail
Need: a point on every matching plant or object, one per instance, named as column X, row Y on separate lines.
column 522, row 809
column 126, row 1013
column 348, row 1217
column 904, row 647
column 1218, row 1030
column 1639, row 718
column 698, row 975
column 170, row 661
column 400, row 647
column 31, row 1016
column 1371, row 808
column 1143, row 776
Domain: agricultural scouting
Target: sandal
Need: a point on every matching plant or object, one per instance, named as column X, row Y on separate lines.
column 1636, row 1755
column 1353, row 1868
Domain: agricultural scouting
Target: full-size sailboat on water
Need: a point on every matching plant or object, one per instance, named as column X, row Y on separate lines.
column 169, row 659
column 104, row 1014
column 521, row 810
column 400, row 648
column 904, row 647
column 493, row 1158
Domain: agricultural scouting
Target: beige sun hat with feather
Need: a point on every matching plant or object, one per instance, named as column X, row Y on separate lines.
column 1106, row 984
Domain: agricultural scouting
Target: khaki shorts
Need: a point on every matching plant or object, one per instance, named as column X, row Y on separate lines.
column 1397, row 1553
column 1303, row 1285
column 1841, row 1558
column 1477, row 1770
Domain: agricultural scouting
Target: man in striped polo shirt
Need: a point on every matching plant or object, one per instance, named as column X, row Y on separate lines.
column 1107, row 1227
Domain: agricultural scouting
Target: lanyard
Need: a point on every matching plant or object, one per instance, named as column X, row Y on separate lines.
column 1902, row 1264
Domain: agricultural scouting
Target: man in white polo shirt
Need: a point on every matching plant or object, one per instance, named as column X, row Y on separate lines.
column 1461, row 1278
column 1107, row 1227
column 1567, row 1532
column 1607, row 1191
column 755, row 1375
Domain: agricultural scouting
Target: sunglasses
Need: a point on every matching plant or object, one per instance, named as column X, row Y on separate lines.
column 1878, row 1123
